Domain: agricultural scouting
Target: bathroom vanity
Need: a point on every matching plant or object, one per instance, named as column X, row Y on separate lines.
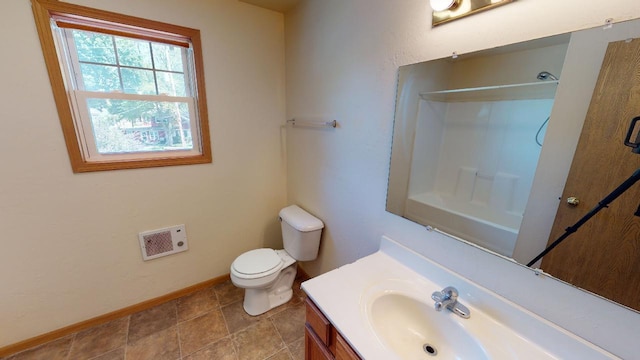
column 321, row 339
column 381, row 307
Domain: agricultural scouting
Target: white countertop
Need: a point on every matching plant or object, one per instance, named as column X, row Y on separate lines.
column 341, row 295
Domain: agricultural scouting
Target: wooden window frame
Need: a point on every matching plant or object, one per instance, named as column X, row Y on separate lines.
column 81, row 17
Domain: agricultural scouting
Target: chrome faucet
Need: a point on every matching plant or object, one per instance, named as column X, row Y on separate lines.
column 448, row 299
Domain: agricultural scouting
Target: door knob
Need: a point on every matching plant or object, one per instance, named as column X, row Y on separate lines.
column 573, row 201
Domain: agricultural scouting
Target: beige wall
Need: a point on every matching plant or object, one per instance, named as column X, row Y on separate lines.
column 69, row 241
column 69, row 248
column 342, row 61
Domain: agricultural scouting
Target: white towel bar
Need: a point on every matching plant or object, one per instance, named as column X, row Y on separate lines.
column 318, row 123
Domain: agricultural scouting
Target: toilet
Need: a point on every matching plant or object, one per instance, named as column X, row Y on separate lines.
column 267, row 275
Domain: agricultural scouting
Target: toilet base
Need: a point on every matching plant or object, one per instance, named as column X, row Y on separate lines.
column 259, row 301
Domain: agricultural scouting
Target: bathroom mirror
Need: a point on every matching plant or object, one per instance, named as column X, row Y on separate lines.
column 483, row 142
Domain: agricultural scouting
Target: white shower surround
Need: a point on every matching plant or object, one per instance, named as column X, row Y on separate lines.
column 485, row 156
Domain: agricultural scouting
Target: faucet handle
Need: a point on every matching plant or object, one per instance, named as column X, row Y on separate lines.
column 445, row 298
column 450, row 293
column 448, row 298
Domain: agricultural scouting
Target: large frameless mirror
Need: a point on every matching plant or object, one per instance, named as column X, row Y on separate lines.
column 483, row 143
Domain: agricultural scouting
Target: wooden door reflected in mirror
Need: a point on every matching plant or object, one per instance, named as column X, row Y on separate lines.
column 603, row 256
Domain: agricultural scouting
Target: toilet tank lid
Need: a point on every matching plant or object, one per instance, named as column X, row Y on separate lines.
column 300, row 219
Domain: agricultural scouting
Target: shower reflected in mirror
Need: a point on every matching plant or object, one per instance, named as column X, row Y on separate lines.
column 477, row 129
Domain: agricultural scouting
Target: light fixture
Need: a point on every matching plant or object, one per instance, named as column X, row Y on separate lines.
column 449, row 10
column 442, row 5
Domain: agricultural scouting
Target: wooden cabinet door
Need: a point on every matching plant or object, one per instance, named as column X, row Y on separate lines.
column 344, row 350
column 319, row 324
column 314, row 348
column 603, row 256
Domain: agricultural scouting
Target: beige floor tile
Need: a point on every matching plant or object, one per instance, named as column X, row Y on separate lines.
column 197, row 333
column 220, row 350
column 227, row 293
column 195, row 327
column 281, row 355
column 161, row 345
column 99, row 340
column 152, row 320
column 54, row 350
column 290, row 323
column 117, row 354
column 237, row 319
column 196, row 304
column 258, row 341
column 297, row 349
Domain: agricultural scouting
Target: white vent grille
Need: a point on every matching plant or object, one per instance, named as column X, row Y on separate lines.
column 163, row 242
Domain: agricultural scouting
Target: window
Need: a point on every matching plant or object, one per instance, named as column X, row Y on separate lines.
column 129, row 91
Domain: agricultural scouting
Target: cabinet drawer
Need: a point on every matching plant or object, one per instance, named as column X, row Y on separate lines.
column 318, row 322
column 322, row 339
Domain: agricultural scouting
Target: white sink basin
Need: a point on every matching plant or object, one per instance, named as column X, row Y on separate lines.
column 413, row 329
column 381, row 304
column 402, row 316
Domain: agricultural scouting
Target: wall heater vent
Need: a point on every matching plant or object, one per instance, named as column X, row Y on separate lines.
column 163, row 242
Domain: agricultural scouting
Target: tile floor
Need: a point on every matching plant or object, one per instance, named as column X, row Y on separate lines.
column 208, row 324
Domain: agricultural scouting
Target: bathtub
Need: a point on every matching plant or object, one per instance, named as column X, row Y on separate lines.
column 476, row 223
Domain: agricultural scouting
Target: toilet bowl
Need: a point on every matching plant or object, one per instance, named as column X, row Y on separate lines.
column 267, row 275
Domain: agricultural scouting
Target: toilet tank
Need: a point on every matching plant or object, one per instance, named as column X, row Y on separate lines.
column 300, row 233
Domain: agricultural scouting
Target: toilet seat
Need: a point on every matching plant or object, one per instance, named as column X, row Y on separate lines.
column 257, row 263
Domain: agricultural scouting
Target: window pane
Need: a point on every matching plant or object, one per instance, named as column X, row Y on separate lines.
column 94, row 47
column 136, row 81
column 167, row 57
column 100, row 78
column 126, row 126
column 134, row 53
column 171, row 84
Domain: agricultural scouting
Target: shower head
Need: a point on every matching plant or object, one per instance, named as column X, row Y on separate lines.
column 545, row 75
